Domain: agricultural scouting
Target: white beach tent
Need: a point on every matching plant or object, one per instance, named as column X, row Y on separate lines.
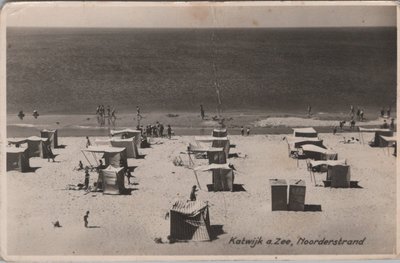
column 294, row 143
column 318, row 153
column 37, row 147
column 128, row 133
column 114, row 156
column 129, row 144
column 377, row 131
column 305, row 132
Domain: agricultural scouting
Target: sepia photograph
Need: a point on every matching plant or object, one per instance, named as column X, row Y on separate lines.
column 228, row 130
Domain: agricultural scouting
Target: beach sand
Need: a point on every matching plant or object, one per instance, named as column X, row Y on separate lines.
column 128, row 224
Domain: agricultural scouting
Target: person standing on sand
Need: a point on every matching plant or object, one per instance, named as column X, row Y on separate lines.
column 50, row 153
column 248, row 131
column 242, row 131
column 389, row 111
column 161, row 130
column 21, row 115
column 88, row 142
column 352, row 111
column 309, row 110
column 202, row 114
column 85, row 219
column 352, row 124
column 334, row 130
column 362, row 115
column 358, row 113
column 87, row 177
column 382, row 112
column 169, row 131
column 193, row 193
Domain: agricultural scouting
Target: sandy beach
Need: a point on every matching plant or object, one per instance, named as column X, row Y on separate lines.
column 128, row 224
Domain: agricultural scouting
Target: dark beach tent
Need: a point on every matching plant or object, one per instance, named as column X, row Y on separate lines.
column 17, row 159
column 52, row 136
column 16, row 142
column 190, row 221
column 219, row 133
column 322, row 166
column 379, row 141
column 216, row 155
column 339, row 176
column 387, row 141
column 318, row 153
column 37, row 147
column 305, row 132
column 222, row 176
column 114, row 156
column 128, row 144
column 127, row 133
column 113, row 180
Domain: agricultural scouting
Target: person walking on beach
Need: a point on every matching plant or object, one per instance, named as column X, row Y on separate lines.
column 21, row 115
column 169, row 131
column 384, row 125
column 248, row 131
column 88, row 142
column 382, row 112
column 309, row 110
column 202, row 112
column 358, row 113
column 50, row 153
column 392, row 124
column 334, row 130
column 362, row 115
column 87, row 177
column 352, row 111
column 161, row 130
column 85, row 219
column 341, row 124
column 352, row 124
column 193, row 193
column 242, row 131
column 35, row 114
column 389, row 111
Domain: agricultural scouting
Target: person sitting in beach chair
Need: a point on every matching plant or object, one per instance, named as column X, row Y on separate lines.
column 80, row 167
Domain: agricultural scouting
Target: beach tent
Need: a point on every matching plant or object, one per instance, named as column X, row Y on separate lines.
column 128, row 133
column 219, row 133
column 381, row 142
column 318, row 153
column 190, row 221
column 114, row 156
column 128, row 144
column 305, row 132
column 294, row 143
column 339, row 176
column 222, row 176
column 17, row 159
column 377, row 131
column 216, row 155
column 16, row 142
column 113, row 180
column 37, row 147
column 52, row 135
column 217, row 142
column 322, row 166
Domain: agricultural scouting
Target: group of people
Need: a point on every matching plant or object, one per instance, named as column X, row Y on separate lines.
column 157, row 130
column 359, row 113
column 247, row 131
column 21, row 114
column 103, row 113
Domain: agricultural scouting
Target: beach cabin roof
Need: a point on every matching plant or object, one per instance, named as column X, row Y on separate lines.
column 17, row 140
column 210, row 138
column 304, row 132
column 15, row 149
column 212, row 166
column 104, row 149
column 36, row 138
column 373, row 130
column 313, row 148
column 115, row 132
column 296, row 142
column 189, row 208
column 327, row 162
column 47, row 130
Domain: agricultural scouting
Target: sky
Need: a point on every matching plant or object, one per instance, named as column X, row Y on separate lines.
column 198, row 14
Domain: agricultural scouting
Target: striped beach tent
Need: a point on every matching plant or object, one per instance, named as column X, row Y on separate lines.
column 190, row 221
column 113, row 180
column 219, row 133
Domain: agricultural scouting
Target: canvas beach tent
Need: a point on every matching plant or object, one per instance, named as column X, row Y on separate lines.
column 377, row 131
column 217, row 142
column 219, row 133
column 222, row 176
column 379, row 141
column 16, row 142
column 17, row 159
column 113, row 180
column 294, row 143
column 114, row 156
column 37, row 147
column 318, row 153
column 322, row 166
column 51, row 135
column 190, row 221
column 339, row 176
column 128, row 133
column 305, row 132
column 129, row 144
column 216, row 155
